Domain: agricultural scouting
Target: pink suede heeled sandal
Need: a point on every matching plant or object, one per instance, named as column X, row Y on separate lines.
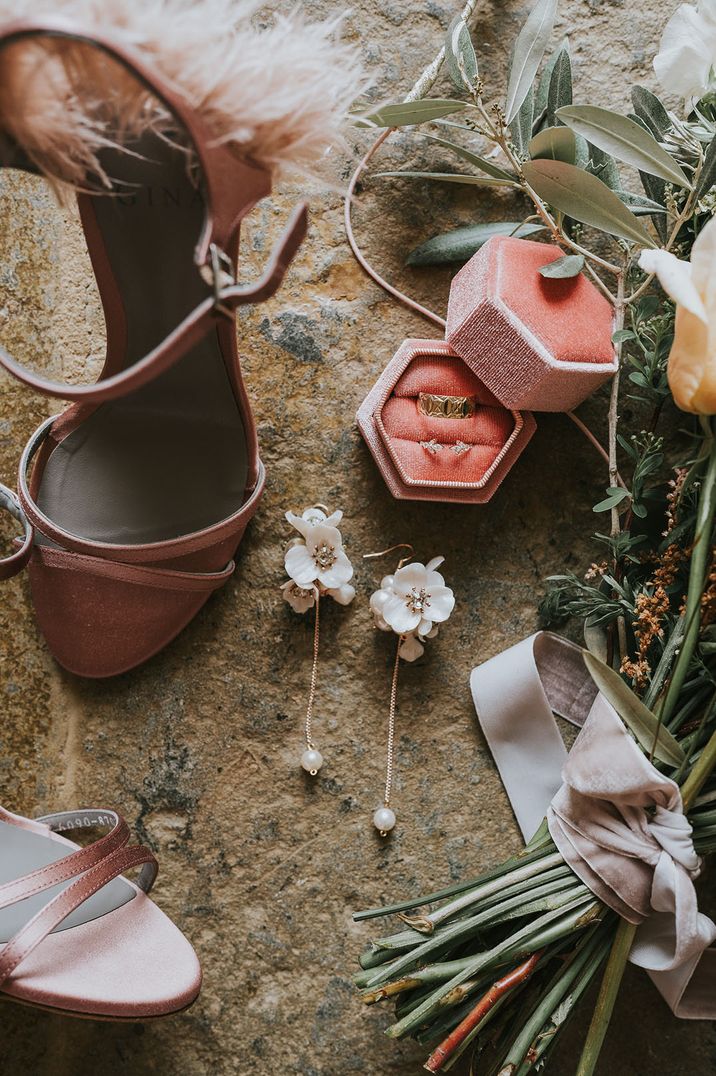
column 78, row 938
column 138, row 495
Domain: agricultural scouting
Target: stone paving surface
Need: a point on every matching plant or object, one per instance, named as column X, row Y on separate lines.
column 199, row 749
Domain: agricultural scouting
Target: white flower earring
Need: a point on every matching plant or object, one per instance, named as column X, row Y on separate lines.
column 317, row 567
column 412, row 604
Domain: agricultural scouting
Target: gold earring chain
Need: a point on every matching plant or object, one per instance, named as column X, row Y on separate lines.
column 314, row 673
column 391, row 726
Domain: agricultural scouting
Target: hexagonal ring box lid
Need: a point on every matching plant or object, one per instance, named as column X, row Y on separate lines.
column 435, row 457
column 536, row 342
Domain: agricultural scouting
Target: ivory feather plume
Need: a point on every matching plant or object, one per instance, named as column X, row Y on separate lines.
column 277, row 87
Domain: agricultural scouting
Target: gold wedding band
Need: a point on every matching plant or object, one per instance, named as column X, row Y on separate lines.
column 429, row 403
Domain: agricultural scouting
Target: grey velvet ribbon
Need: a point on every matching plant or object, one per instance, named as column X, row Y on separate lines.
column 616, row 820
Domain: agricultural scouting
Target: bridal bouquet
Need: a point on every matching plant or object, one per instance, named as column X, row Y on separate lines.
column 495, row 965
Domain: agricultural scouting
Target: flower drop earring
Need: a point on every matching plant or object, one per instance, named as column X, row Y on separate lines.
column 412, row 603
column 317, row 567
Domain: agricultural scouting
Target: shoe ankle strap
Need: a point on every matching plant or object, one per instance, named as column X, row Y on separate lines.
column 223, row 301
column 232, row 185
column 16, row 561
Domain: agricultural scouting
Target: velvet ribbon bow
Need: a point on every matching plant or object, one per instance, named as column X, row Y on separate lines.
column 616, row 820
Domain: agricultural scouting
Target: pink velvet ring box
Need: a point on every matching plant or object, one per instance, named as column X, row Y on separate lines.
column 516, row 341
column 396, row 431
column 537, row 342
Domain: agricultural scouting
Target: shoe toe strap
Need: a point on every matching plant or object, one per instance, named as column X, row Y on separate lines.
column 92, row 868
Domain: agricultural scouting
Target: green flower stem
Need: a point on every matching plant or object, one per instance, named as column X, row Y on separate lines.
column 535, row 850
column 607, row 997
column 544, row 897
column 407, row 939
column 697, row 578
column 625, row 933
column 529, row 870
column 702, row 770
column 569, row 919
column 558, row 990
column 545, row 1041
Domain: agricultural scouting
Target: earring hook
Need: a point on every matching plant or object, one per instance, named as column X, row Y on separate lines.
column 391, row 549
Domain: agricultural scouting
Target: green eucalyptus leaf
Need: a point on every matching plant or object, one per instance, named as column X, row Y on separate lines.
column 453, row 177
column 640, row 206
column 640, row 123
column 707, row 178
column 634, row 713
column 461, row 243
column 521, row 126
column 554, row 144
column 655, row 189
column 407, row 113
column 604, row 166
column 563, row 268
column 616, row 497
column 542, row 91
column 595, row 640
column 584, row 198
column 474, row 158
column 460, row 57
column 650, row 109
column 529, row 50
column 624, row 139
column 559, row 93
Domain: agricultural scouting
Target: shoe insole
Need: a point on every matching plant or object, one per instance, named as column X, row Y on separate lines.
column 22, row 851
column 170, row 458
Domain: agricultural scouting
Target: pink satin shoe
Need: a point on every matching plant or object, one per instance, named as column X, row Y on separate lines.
column 78, row 938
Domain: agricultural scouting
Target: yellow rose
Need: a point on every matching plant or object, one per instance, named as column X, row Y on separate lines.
column 692, row 285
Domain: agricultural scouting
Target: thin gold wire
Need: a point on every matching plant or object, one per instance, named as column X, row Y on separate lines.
column 391, row 549
column 390, row 754
column 314, row 678
column 391, row 728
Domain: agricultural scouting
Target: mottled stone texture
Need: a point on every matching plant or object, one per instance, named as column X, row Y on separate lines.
column 200, row 748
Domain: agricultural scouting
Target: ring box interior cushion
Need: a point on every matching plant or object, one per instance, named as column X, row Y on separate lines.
column 488, row 440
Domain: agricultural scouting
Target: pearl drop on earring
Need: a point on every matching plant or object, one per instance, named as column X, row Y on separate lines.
column 312, row 760
column 384, row 820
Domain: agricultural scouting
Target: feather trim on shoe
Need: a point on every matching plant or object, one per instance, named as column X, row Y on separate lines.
column 276, row 87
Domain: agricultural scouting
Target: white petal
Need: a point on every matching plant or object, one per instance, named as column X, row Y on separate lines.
column 381, row 624
column 703, row 268
column 387, row 582
column 435, row 579
column 434, row 563
column 377, row 600
column 340, row 572
column 299, row 523
column 686, row 53
column 334, row 519
column 313, row 515
column 442, row 603
column 300, row 565
column 399, row 616
column 300, row 599
column 424, row 628
column 320, row 534
column 344, row 594
column 411, row 648
column 675, row 277
column 411, row 577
